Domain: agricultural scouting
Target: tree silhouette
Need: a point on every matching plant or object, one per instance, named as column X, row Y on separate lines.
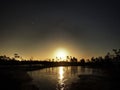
column 82, row 61
column 16, row 56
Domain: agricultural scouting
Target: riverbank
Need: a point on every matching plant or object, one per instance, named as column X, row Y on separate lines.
column 15, row 80
column 108, row 80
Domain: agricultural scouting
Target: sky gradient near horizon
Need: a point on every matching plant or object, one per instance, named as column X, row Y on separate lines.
column 37, row 28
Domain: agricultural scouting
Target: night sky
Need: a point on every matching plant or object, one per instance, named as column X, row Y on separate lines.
column 84, row 28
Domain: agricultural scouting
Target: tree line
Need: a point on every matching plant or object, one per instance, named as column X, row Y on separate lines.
column 108, row 60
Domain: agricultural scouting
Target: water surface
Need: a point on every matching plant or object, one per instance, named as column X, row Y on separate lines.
column 68, row 78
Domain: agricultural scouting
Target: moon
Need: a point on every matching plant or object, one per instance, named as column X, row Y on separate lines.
column 61, row 53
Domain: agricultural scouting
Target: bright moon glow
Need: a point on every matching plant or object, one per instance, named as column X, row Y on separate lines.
column 61, row 53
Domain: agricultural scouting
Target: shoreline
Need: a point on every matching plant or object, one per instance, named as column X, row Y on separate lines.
column 15, row 80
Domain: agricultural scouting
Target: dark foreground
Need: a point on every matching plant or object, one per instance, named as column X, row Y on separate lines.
column 109, row 80
column 16, row 79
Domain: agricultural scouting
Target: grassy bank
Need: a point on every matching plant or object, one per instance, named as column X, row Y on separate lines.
column 15, row 80
column 108, row 80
